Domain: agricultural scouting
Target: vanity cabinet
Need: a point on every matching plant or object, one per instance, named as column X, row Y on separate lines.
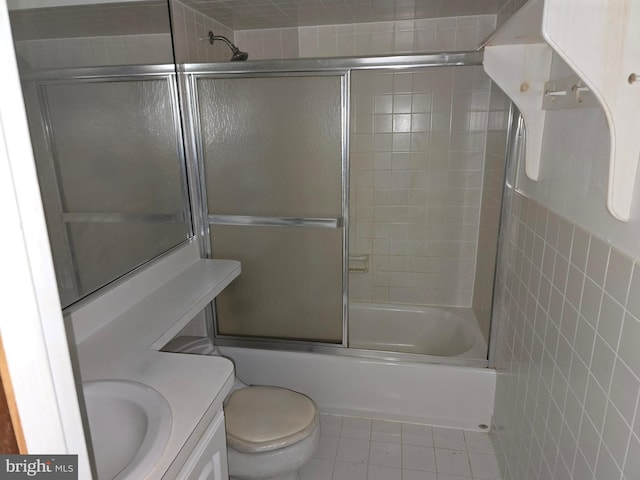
column 120, row 336
column 208, row 461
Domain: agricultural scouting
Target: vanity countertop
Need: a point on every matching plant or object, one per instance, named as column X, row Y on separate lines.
column 127, row 348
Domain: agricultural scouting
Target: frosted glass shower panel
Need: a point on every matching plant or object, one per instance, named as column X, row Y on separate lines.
column 111, row 176
column 273, row 145
column 291, row 283
column 273, row 155
column 116, row 134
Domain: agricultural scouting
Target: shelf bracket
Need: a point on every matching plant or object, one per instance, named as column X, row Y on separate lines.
column 601, row 43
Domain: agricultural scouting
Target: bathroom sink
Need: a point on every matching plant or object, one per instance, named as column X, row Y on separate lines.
column 129, row 425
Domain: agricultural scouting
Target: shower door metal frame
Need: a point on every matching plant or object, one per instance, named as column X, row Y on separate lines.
column 195, row 132
column 39, row 80
column 514, row 151
column 303, row 66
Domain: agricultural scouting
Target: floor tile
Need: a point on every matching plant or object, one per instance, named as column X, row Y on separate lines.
column 390, row 432
column 385, row 454
column 356, row 428
column 330, row 425
column 448, row 438
column 353, row 450
column 317, row 469
column 478, row 442
column 377, row 472
column 327, row 447
column 484, row 466
column 453, row 462
column 417, row 435
column 418, row 475
column 349, row 471
column 361, row 449
column 418, row 458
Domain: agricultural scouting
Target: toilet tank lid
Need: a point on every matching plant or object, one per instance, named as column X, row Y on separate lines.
column 263, row 418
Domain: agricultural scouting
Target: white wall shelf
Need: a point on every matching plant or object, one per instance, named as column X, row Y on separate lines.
column 170, row 293
column 600, row 41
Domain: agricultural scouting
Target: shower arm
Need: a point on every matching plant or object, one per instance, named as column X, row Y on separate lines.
column 237, row 54
column 213, row 38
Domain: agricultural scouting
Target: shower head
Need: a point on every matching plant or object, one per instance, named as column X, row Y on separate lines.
column 236, row 54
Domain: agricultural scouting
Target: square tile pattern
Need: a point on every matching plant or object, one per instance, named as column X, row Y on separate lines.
column 417, row 152
column 568, row 318
column 252, row 14
column 361, row 449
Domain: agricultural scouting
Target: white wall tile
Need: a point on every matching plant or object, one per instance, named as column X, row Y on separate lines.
column 379, row 38
column 191, row 36
column 587, row 408
column 407, row 179
column 97, row 51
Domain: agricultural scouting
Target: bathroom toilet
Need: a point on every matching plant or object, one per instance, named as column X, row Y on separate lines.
column 271, row 431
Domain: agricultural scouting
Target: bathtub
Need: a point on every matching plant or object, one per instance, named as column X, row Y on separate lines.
column 451, row 396
column 436, row 331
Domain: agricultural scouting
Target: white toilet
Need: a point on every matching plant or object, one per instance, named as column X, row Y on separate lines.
column 271, row 431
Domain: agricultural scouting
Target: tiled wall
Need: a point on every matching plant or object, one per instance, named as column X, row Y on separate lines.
column 568, row 310
column 417, row 154
column 376, row 38
column 154, row 48
column 269, row 43
column 93, row 35
column 567, row 313
column 425, row 35
column 191, row 30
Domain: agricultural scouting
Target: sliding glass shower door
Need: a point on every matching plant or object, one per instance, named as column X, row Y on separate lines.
column 273, row 153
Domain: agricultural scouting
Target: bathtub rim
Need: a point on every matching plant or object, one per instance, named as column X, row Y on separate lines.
column 340, row 350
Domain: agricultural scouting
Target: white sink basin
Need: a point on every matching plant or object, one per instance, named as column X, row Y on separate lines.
column 130, row 424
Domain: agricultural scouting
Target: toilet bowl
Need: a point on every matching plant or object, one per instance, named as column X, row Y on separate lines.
column 271, row 431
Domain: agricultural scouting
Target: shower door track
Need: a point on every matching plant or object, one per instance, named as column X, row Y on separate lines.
column 341, row 64
column 462, row 59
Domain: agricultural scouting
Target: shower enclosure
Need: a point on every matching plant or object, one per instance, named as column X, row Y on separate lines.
column 360, row 194
column 347, row 186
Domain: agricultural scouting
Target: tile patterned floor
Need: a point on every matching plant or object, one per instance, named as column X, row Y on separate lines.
column 361, row 449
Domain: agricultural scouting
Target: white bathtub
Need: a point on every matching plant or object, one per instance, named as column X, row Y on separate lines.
column 438, row 331
column 406, row 391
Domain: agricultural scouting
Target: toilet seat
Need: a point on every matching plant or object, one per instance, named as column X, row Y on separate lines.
column 261, row 419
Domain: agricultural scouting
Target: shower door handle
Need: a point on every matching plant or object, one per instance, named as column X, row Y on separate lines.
column 259, row 221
